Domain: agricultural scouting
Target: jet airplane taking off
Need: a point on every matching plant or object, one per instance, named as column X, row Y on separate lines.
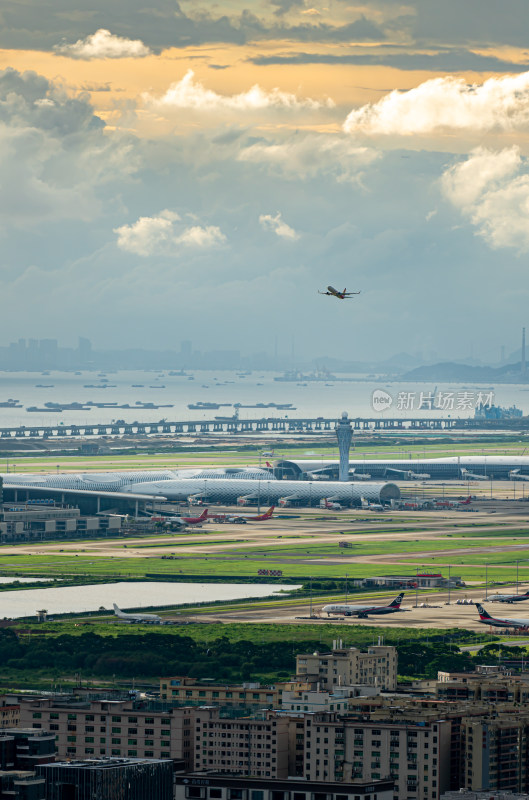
column 149, row 618
column 362, row 612
column 345, row 295
column 486, row 619
column 508, row 598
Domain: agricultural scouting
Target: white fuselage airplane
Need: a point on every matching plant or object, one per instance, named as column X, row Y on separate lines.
column 486, row 619
column 363, row 612
column 152, row 618
column 508, row 598
column 345, row 295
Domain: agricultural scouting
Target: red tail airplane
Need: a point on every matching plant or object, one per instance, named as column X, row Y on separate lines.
column 195, row 520
column 240, row 518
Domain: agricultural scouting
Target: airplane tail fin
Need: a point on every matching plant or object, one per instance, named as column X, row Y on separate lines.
column 203, row 516
column 482, row 613
column 268, row 464
column 397, row 601
column 116, row 609
column 269, row 512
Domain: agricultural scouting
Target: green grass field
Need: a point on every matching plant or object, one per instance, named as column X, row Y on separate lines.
column 398, row 446
column 504, row 569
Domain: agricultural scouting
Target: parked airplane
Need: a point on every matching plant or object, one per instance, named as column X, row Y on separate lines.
column 149, row 618
column 362, row 612
column 451, row 503
column 508, row 598
column 183, row 522
column 241, row 517
column 329, row 505
column 486, row 618
column 345, row 295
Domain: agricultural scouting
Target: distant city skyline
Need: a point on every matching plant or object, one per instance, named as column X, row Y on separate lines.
column 41, row 354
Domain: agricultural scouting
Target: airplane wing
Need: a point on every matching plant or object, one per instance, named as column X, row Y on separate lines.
column 323, row 292
column 350, row 294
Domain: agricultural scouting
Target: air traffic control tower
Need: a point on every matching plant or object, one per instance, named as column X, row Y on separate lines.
column 344, row 434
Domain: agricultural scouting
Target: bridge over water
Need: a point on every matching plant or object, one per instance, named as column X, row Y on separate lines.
column 234, row 425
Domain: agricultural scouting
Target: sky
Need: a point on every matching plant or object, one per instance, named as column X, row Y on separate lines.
column 199, row 170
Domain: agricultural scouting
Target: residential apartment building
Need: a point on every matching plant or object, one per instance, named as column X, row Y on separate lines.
column 193, row 692
column 496, row 752
column 118, row 728
column 9, row 715
column 306, row 697
column 349, row 666
column 255, row 745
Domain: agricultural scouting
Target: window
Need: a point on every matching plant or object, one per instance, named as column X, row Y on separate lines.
column 132, row 753
column 149, row 742
column 115, row 752
column 149, row 753
column 54, row 715
column 164, row 733
column 115, row 719
column 89, row 750
column 116, row 730
column 37, row 715
column 149, row 720
column 89, row 739
column 133, row 719
column 71, row 738
column 89, row 718
column 116, row 741
column 89, row 728
column 165, row 744
column 257, row 794
column 165, row 755
column 132, row 741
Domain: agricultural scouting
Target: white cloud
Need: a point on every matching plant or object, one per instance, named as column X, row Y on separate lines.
column 103, row 44
column 278, row 226
column 54, row 154
column 189, row 93
column 498, row 104
column 492, row 190
column 309, row 156
column 161, row 235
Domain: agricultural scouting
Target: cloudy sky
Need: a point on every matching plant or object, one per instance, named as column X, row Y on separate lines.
column 198, row 170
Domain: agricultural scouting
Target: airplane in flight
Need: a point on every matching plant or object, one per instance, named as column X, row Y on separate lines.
column 508, row 598
column 152, row 619
column 486, row 619
column 242, row 518
column 345, row 295
column 362, row 612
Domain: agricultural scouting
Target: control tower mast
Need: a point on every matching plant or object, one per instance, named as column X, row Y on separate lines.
column 344, row 434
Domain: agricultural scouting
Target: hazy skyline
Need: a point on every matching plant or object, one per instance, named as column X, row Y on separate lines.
column 199, row 170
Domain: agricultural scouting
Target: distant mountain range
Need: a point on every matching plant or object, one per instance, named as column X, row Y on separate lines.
column 449, row 371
